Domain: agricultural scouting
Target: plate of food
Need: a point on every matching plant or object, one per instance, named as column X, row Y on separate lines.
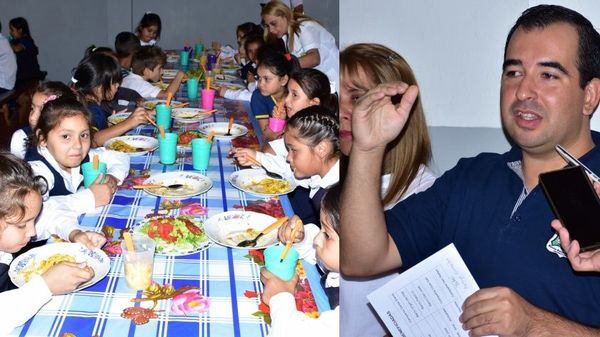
column 232, row 86
column 257, row 182
column 230, row 228
column 132, row 145
column 180, row 235
column 178, row 185
column 225, row 77
column 151, row 104
column 184, row 141
column 220, row 129
column 190, row 115
column 169, row 74
column 161, row 85
column 117, row 118
column 40, row 259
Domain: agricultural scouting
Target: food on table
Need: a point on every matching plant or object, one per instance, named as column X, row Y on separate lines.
column 116, row 121
column 122, row 146
column 268, row 186
column 150, row 105
column 236, row 237
column 138, row 274
column 185, row 138
column 175, row 234
column 195, row 73
column 41, row 267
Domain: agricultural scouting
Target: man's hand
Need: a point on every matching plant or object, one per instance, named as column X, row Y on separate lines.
column 586, row 261
column 497, row 311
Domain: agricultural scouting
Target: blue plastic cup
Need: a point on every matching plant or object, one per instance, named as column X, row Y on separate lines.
column 200, row 153
column 286, row 269
column 184, row 57
column 163, row 115
column 192, row 88
column 167, row 148
column 90, row 175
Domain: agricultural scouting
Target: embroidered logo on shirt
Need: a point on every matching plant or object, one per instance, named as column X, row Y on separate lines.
column 553, row 246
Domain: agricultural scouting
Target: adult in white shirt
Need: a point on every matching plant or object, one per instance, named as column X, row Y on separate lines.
column 363, row 66
column 305, row 38
column 8, row 65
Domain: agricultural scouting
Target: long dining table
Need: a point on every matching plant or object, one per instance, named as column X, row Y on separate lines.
column 228, row 277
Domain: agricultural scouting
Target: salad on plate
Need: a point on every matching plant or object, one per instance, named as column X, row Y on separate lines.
column 180, row 235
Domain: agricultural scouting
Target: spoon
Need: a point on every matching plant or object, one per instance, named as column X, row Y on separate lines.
column 269, row 173
column 274, row 225
column 172, row 186
column 229, row 126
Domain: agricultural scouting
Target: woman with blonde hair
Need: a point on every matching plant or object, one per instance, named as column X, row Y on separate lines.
column 405, row 171
column 304, row 38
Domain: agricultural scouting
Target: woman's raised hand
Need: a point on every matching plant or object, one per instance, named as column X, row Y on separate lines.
column 376, row 121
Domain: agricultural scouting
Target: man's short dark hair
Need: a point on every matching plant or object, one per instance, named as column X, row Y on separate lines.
column 588, row 52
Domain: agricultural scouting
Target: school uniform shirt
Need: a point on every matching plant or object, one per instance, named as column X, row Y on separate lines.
column 18, row 141
column 317, row 182
column 139, row 84
column 81, row 200
column 20, row 304
column 261, row 105
column 357, row 317
column 286, row 321
column 289, row 322
column 149, row 43
column 313, row 36
column 8, row 65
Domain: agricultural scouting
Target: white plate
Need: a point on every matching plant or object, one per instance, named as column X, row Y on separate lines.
column 220, row 129
column 151, row 103
column 147, row 144
column 95, row 259
column 172, row 249
column 230, row 228
column 169, row 74
column 118, row 117
column 189, row 115
column 244, row 179
column 172, row 58
column 139, row 142
column 194, row 184
column 231, row 86
column 225, row 78
column 188, row 145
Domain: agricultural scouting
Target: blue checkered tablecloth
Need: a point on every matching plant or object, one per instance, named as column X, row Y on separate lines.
column 222, row 274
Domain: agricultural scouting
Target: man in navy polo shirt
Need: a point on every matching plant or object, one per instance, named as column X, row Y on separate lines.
column 491, row 206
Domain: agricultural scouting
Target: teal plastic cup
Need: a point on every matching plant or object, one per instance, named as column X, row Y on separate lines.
column 192, row 88
column 167, row 148
column 184, row 57
column 198, row 48
column 208, row 99
column 286, row 269
column 200, row 153
column 90, row 175
column 163, row 115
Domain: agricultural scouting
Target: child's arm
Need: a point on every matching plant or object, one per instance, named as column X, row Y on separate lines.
column 18, row 143
column 173, row 86
column 136, row 118
column 285, row 319
column 19, row 305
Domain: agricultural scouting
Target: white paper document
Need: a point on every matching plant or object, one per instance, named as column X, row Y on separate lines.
column 426, row 300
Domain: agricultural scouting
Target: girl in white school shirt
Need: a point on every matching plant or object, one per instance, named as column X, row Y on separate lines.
column 20, row 204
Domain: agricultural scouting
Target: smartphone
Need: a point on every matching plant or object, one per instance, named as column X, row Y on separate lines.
column 575, row 203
